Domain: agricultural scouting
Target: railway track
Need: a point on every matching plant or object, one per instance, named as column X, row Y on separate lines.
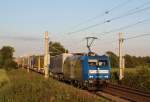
column 119, row 93
column 127, row 93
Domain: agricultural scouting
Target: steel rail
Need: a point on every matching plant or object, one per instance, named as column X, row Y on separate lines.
column 127, row 93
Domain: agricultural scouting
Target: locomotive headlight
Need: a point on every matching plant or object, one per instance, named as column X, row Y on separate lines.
column 106, row 76
column 92, row 71
column 90, row 76
column 103, row 71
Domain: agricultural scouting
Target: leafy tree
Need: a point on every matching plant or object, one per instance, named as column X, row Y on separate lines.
column 113, row 58
column 130, row 61
column 1, row 61
column 7, row 52
column 6, row 57
column 147, row 60
column 56, row 48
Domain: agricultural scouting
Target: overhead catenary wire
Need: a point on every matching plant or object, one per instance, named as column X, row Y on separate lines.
column 128, row 13
column 129, row 38
column 137, row 36
column 119, row 5
column 136, row 9
column 124, row 27
column 103, row 13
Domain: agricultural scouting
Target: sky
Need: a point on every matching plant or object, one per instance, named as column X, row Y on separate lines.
column 23, row 23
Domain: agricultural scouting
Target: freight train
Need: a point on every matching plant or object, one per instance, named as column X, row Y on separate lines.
column 89, row 71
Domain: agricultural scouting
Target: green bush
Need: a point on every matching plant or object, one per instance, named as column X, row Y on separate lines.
column 115, row 77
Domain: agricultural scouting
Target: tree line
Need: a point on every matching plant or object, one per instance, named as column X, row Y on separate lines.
column 130, row 61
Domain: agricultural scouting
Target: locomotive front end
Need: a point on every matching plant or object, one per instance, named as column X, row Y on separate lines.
column 96, row 70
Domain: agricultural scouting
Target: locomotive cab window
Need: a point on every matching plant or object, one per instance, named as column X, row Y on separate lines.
column 92, row 62
column 103, row 63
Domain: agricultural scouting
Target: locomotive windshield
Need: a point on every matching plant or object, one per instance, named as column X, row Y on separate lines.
column 93, row 62
column 103, row 63
column 100, row 63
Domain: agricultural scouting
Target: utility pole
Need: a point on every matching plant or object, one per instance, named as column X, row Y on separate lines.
column 39, row 63
column 32, row 62
column 28, row 64
column 123, row 65
column 46, row 55
column 121, row 58
column 23, row 62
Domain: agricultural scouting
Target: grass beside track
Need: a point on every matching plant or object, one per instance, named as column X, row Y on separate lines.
column 138, row 78
column 3, row 78
column 21, row 86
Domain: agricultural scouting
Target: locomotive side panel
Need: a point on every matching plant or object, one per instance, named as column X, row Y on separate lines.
column 66, row 71
column 73, row 68
column 78, row 70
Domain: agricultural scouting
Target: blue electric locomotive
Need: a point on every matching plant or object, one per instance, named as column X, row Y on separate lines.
column 90, row 71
